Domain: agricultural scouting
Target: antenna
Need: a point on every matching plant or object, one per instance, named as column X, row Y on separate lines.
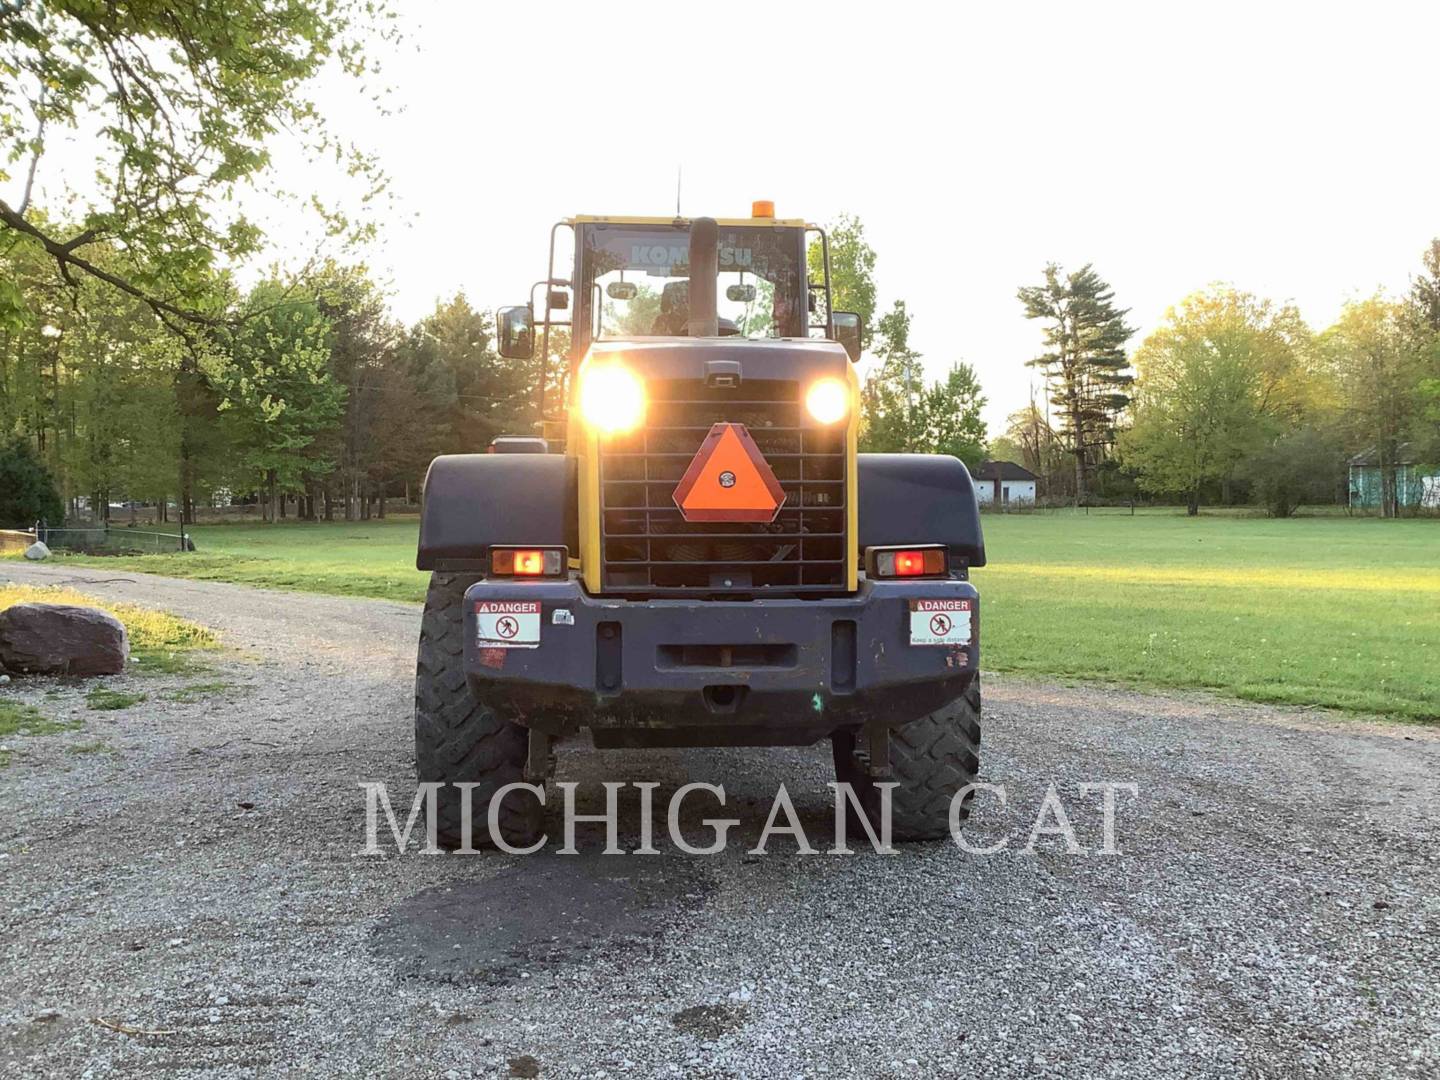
column 679, row 175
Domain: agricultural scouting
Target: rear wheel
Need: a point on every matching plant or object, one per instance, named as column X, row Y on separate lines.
column 460, row 738
column 931, row 758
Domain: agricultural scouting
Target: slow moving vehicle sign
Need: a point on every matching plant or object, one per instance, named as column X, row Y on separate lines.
column 729, row 480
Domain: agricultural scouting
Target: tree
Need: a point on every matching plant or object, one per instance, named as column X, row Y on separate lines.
column 182, row 102
column 1378, row 360
column 1424, row 311
column 852, row 271
column 489, row 395
column 888, row 420
column 1085, row 363
column 1030, row 432
column 948, row 416
column 1004, row 448
column 27, row 490
column 1211, row 383
column 1294, row 468
column 362, row 340
column 1425, row 289
column 278, row 386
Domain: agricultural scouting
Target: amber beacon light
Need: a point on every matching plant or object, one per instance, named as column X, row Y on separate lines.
column 527, row 562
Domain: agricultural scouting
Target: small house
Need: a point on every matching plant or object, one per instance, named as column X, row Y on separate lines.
column 1003, row 483
column 1416, row 484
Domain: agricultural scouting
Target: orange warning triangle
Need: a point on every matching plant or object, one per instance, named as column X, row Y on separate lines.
column 729, row 480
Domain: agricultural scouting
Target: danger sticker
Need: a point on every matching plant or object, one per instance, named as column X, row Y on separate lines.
column 939, row 622
column 507, row 624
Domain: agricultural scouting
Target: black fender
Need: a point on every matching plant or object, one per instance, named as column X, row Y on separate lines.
column 473, row 502
column 919, row 499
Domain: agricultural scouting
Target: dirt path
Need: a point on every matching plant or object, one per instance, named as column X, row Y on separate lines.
column 1274, row 910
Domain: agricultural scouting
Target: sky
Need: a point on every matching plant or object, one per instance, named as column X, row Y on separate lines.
column 1287, row 149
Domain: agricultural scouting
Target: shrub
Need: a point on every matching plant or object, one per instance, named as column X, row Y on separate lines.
column 27, row 491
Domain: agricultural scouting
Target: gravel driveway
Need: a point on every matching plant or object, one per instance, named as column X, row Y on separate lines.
column 1274, row 909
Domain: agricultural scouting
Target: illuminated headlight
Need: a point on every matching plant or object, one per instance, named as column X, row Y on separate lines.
column 828, row 400
column 612, row 398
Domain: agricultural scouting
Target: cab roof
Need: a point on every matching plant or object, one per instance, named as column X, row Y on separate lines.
column 774, row 223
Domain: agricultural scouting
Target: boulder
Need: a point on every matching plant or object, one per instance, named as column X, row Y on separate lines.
column 37, row 551
column 62, row 639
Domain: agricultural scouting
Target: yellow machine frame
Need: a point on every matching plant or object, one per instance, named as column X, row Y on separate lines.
column 583, row 443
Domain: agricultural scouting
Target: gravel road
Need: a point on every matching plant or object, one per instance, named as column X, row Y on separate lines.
column 1274, row 908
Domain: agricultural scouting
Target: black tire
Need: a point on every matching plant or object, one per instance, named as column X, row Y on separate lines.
column 460, row 739
column 932, row 758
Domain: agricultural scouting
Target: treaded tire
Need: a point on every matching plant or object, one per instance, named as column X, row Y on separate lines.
column 460, row 739
column 932, row 758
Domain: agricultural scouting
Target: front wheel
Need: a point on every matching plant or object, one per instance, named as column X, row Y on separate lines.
column 932, row 759
column 461, row 739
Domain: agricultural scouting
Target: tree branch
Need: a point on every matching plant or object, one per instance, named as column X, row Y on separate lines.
column 64, row 255
column 34, row 162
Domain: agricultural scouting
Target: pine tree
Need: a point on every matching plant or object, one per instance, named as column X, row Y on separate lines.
column 1085, row 365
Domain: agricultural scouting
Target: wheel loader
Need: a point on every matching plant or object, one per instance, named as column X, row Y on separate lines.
column 696, row 555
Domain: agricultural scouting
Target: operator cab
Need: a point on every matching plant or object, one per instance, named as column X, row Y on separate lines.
column 630, row 279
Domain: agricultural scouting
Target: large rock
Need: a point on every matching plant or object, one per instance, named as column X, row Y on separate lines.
column 37, row 551
column 62, row 639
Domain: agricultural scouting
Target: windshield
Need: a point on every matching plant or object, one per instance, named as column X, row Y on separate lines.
column 638, row 280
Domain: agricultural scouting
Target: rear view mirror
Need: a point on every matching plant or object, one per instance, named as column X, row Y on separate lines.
column 847, row 327
column 740, row 294
column 515, row 327
column 621, row 290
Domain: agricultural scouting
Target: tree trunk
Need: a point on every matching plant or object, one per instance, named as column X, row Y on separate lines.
column 1192, row 508
column 381, row 500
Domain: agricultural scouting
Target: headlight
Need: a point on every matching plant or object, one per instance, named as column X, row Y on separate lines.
column 612, row 398
column 828, row 400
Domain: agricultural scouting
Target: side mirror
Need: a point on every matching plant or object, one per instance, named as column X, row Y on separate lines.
column 559, row 300
column 516, row 332
column 847, row 329
column 621, row 290
column 740, row 294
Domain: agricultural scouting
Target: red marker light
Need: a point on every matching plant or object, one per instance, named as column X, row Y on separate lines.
column 908, row 562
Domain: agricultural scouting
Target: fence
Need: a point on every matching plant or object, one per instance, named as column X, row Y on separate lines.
column 1091, row 505
column 12, row 540
column 103, row 540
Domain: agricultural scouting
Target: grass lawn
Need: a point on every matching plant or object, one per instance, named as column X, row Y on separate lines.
column 1312, row 611
column 1326, row 611
column 371, row 558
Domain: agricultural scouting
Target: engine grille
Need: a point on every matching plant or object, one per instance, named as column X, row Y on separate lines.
column 649, row 548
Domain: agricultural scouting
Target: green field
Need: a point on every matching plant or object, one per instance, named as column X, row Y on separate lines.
column 1325, row 611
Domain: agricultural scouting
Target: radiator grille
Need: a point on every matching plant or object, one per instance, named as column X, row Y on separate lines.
column 649, row 548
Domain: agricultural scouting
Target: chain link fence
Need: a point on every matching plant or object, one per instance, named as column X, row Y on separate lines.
column 104, row 540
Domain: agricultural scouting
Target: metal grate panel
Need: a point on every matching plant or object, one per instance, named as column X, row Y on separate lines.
column 648, row 548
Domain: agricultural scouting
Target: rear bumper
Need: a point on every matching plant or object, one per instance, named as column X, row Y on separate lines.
column 714, row 672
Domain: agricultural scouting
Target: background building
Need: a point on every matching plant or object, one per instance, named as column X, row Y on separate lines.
column 1002, row 483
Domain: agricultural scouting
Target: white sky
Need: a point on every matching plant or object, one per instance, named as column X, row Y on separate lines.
column 1289, row 149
